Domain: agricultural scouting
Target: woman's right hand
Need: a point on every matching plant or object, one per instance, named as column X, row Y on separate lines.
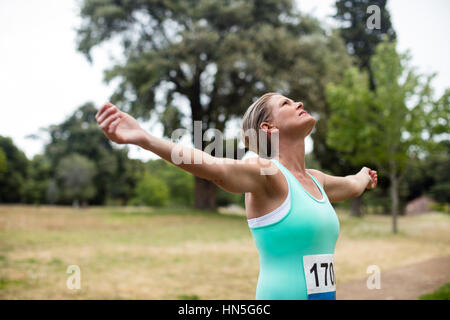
column 119, row 126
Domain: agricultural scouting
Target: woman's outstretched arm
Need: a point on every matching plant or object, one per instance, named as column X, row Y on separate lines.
column 237, row 176
column 348, row 187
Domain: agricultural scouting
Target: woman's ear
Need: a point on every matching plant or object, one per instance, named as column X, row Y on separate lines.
column 267, row 126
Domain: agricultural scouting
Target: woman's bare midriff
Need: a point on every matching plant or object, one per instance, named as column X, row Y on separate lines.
column 257, row 205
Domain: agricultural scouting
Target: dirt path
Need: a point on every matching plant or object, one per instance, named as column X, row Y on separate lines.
column 404, row 283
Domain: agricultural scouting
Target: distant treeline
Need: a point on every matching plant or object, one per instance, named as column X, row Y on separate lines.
column 81, row 166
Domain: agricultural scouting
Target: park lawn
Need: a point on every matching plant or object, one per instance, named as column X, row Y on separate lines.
column 443, row 293
column 131, row 253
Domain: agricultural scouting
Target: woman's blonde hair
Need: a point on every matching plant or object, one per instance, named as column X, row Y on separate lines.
column 260, row 111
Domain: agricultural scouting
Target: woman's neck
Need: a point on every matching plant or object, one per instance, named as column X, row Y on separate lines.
column 292, row 155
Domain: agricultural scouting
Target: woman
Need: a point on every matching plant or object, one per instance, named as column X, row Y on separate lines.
column 294, row 226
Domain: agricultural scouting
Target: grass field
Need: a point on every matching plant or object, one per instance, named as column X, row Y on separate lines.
column 443, row 293
column 129, row 253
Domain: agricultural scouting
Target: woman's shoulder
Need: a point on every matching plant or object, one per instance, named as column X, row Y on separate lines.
column 266, row 166
column 317, row 174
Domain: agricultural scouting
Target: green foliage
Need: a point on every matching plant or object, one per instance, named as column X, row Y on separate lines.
column 181, row 185
column 151, row 191
column 386, row 126
column 224, row 198
column 3, row 165
column 235, row 38
column 179, row 182
column 441, row 207
column 441, row 191
column 360, row 40
column 75, row 174
column 37, row 183
column 171, row 117
column 13, row 171
column 379, row 127
column 443, row 293
column 439, row 120
column 115, row 175
column 348, row 127
column 129, row 172
column 80, row 134
column 219, row 56
column 226, row 51
column 188, row 297
column 360, row 43
column 430, row 176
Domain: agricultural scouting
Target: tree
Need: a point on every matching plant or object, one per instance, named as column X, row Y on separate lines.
column 75, row 174
column 37, row 182
column 392, row 135
column 217, row 55
column 129, row 172
column 361, row 41
column 3, row 165
column 439, row 164
column 79, row 134
column 13, row 171
column 116, row 175
column 429, row 176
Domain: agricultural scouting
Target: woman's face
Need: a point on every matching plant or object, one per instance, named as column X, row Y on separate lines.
column 290, row 117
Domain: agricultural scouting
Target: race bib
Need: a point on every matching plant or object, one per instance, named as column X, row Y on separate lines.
column 319, row 275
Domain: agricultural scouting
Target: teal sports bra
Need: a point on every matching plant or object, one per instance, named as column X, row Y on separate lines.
column 296, row 245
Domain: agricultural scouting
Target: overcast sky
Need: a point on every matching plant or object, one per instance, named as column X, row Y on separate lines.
column 43, row 79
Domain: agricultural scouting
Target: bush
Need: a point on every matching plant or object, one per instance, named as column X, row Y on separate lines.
column 443, row 293
column 441, row 207
column 151, row 191
column 179, row 182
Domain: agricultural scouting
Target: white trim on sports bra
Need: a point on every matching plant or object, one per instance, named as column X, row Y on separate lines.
column 275, row 215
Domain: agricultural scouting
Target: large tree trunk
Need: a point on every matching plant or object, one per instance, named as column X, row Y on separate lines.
column 356, row 207
column 394, row 200
column 205, row 194
column 205, row 190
